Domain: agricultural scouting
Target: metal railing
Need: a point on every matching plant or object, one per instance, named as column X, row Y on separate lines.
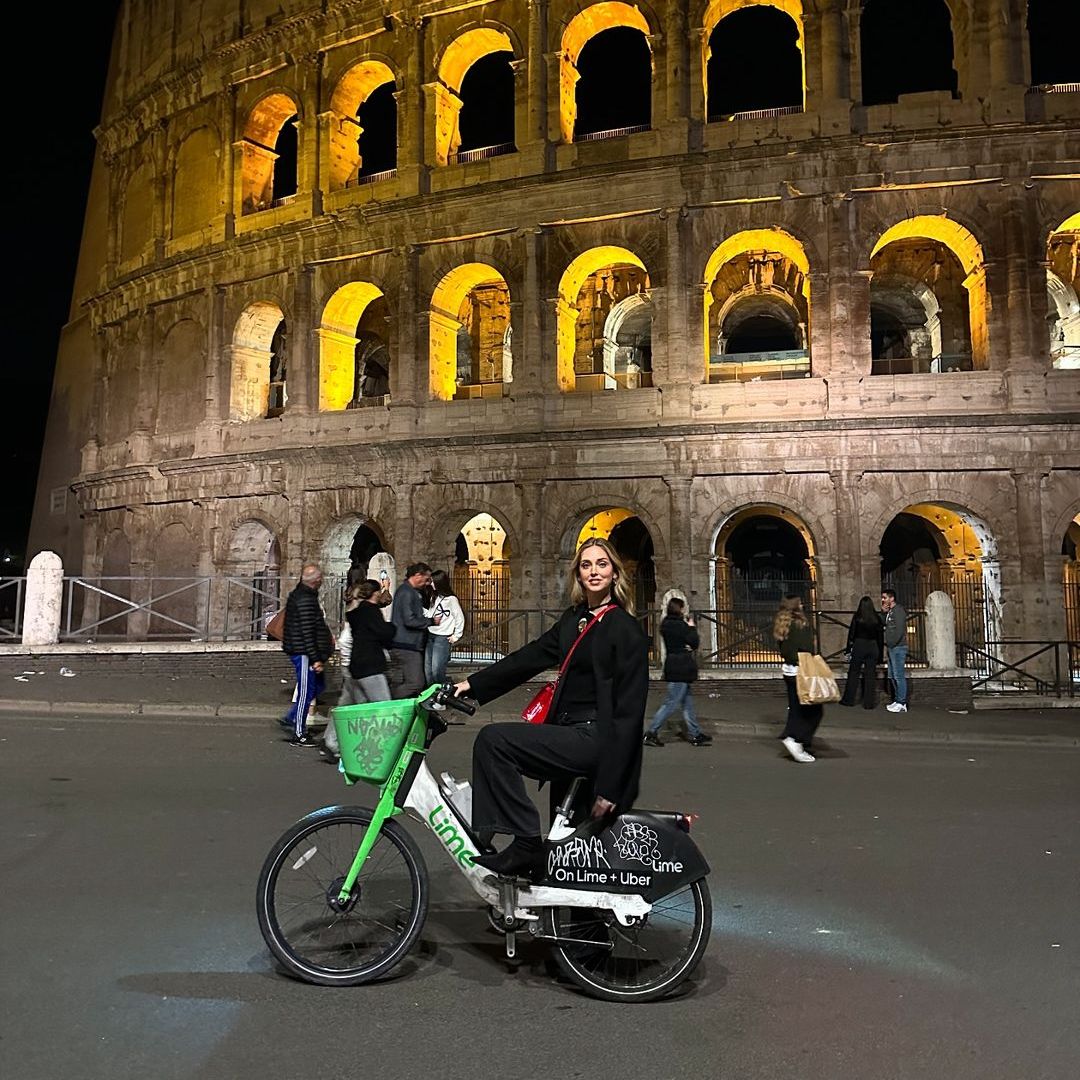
column 915, row 365
column 754, row 367
column 249, row 604
column 135, row 608
column 1019, row 666
column 612, row 133
column 764, row 114
column 831, row 628
column 371, row 178
column 482, row 153
column 284, row 200
column 1055, row 88
column 12, row 595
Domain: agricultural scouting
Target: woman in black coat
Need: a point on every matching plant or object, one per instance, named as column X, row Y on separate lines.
column 865, row 650
column 593, row 727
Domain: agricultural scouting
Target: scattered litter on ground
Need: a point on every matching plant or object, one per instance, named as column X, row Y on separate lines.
column 1055, row 945
column 21, row 678
column 1048, row 853
column 285, row 682
column 971, row 759
column 959, row 712
column 67, row 673
column 28, row 673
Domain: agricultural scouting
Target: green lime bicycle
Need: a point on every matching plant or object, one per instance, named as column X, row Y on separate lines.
column 343, row 894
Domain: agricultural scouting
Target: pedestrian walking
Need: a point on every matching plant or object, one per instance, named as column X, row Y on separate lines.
column 894, row 619
column 309, row 644
column 865, row 650
column 410, row 632
column 593, row 727
column 445, row 633
column 363, row 666
column 794, row 635
column 680, row 670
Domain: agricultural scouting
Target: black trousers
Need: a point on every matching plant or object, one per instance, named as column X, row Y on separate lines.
column 505, row 754
column 861, row 671
column 802, row 720
column 406, row 674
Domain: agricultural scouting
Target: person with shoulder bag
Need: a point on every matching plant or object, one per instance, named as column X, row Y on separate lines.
column 794, row 635
column 680, row 670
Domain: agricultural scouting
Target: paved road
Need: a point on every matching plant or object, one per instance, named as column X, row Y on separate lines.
column 890, row 912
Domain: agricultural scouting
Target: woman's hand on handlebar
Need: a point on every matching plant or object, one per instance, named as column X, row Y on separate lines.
column 602, row 807
column 462, row 688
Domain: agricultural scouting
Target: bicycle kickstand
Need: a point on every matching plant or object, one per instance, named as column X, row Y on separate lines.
column 507, row 903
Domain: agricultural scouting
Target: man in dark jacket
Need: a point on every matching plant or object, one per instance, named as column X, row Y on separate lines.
column 410, row 633
column 894, row 618
column 309, row 643
column 680, row 670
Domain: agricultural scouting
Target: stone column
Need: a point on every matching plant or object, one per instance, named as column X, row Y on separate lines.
column 302, row 373
column 412, row 119
column 846, row 292
column 825, row 37
column 529, row 374
column 218, row 374
column 676, row 119
column 528, row 564
column 940, row 632
column 678, row 362
column 409, row 365
column 533, row 136
column 680, row 537
column 1041, row 619
column 849, row 557
column 1007, row 80
column 820, row 328
column 44, row 592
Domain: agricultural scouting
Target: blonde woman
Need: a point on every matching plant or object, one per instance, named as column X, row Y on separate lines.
column 594, row 725
column 794, row 635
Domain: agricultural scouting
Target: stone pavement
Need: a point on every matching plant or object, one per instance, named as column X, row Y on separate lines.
column 722, row 709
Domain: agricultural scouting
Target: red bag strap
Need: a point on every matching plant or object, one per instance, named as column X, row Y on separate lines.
column 584, row 630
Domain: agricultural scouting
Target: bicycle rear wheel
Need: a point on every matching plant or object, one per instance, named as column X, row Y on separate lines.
column 634, row 963
column 311, row 934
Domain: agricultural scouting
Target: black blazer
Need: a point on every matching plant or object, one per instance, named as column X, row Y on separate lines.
column 620, row 660
column 680, row 641
column 874, row 634
column 371, row 633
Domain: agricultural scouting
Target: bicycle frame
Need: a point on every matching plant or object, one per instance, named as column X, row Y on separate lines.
column 426, row 799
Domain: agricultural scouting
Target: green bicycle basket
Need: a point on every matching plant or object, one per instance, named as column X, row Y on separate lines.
column 371, row 736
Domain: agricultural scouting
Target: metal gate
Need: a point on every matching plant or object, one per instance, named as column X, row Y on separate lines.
column 1070, row 587
column 484, row 596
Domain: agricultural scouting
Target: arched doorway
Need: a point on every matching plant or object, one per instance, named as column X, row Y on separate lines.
column 252, row 571
column 259, row 363
column 1070, row 592
column 1063, row 289
column 481, row 579
column 354, row 358
column 363, row 135
column 762, row 553
column 931, row 547
column 346, row 552
column 633, row 544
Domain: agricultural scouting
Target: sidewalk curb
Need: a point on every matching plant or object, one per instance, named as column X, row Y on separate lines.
column 721, row 729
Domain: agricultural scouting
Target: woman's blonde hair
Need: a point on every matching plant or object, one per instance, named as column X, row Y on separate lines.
column 790, row 612
column 620, row 586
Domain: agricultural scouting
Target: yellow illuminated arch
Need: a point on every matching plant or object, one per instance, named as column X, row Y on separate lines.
column 352, row 90
column 581, row 28
column 1070, row 224
column 264, row 124
column 720, row 9
column 250, row 359
column 337, row 343
column 970, row 253
column 574, row 277
column 458, row 57
column 444, row 323
column 774, row 241
column 601, row 524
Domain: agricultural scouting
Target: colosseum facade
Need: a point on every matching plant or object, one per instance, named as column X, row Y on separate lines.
column 774, row 293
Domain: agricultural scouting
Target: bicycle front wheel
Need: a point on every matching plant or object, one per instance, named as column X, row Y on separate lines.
column 641, row 962
column 317, row 938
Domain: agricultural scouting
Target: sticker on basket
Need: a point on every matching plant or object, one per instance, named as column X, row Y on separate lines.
column 304, row 858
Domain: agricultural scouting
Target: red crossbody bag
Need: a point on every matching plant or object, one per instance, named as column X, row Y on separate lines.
column 536, row 712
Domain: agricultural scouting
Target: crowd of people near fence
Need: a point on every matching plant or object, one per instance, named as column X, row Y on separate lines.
column 393, row 643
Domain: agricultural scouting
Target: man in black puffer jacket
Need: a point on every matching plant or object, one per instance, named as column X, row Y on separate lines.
column 309, row 643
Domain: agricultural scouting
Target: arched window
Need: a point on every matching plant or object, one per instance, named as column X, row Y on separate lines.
column 363, row 128
column 486, row 120
column 905, row 49
column 754, row 63
column 259, row 356
column 279, row 358
column 269, row 154
column 614, row 92
column 354, row 363
column 1063, row 289
column 1054, row 37
column 377, row 143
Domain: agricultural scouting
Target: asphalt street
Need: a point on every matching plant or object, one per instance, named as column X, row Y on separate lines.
column 892, row 911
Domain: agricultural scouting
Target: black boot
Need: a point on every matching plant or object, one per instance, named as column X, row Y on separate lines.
column 523, row 858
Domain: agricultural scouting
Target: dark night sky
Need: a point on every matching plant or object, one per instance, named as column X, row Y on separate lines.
column 50, row 154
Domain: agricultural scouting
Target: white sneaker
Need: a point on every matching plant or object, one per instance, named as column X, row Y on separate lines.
column 896, row 706
column 796, row 750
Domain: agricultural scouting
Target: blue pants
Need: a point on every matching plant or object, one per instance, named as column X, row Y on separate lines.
column 678, row 697
column 309, row 685
column 897, row 656
column 436, row 657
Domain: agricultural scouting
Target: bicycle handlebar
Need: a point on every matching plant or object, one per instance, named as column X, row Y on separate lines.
column 445, row 697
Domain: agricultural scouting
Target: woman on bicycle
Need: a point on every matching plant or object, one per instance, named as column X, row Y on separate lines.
column 593, row 727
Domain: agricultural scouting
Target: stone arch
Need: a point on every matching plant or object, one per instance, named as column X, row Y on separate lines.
column 467, row 321
column 604, row 271
column 1063, row 286
column 1070, row 585
column 718, row 10
column 348, row 150
column 757, row 266
column 137, row 216
column 258, row 358
column 268, row 161
column 197, row 196
column 628, row 341
column 633, row 539
column 956, row 239
column 582, row 28
column 339, row 549
column 339, row 335
column 461, row 53
column 252, row 568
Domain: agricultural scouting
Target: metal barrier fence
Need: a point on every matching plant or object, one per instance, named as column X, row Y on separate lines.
column 135, row 609
column 12, row 595
column 1017, row 666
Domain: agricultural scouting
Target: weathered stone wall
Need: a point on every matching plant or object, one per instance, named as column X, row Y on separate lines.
column 140, row 426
